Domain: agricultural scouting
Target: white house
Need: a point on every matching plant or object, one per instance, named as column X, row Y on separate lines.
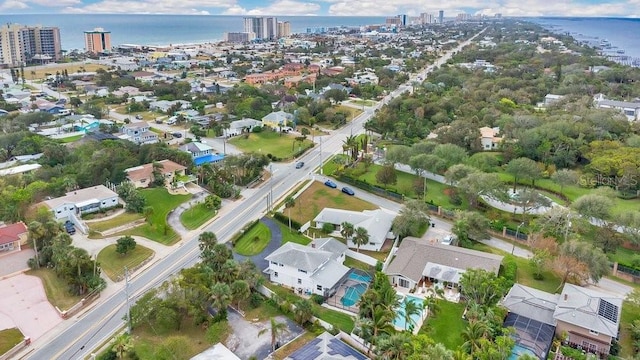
column 82, row 201
column 202, row 153
column 139, row 133
column 630, row 109
column 240, row 126
column 552, row 98
column 313, row 269
column 377, row 222
column 489, row 138
column 277, row 119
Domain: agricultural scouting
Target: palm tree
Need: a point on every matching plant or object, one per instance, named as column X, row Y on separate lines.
column 361, row 237
column 122, row 345
column 303, row 311
column 220, row 298
column 410, row 308
column 347, row 230
column 431, row 304
column 438, row 351
column 396, row 346
column 350, row 144
column 240, row 290
column 276, row 329
column 472, row 335
column 289, row 202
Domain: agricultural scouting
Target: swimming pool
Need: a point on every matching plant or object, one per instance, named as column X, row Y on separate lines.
column 360, row 277
column 352, row 294
column 399, row 322
column 520, row 350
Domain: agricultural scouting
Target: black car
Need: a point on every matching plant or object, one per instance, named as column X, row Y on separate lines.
column 177, row 135
column 69, row 228
column 348, row 191
column 330, row 184
column 300, row 165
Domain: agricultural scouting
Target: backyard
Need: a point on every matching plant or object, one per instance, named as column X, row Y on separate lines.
column 196, row 216
column 318, row 196
column 113, row 264
column 283, row 146
column 156, row 227
column 447, row 325
column 55, row 288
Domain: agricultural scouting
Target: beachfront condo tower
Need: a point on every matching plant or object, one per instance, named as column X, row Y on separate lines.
column 97, row 41
column 20, row 44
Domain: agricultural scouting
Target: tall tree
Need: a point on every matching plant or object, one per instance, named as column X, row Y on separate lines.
column 221, row 298
column 276, row 329
column 206, row 242
column 409, row 310
column 347, row 230
column 289, row 202
column 240, row 291
column 565, row 177
column 413, row 217
column 360, row 237
column 523, row 168
column 303, row 311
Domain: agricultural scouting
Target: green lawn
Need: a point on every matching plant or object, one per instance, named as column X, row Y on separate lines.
column 254, row 240
column 447, row 325
column 195, row 216
column 356, row 264
column 55, row 288
column 114, row 222
column 624, row 256
column 292, row 236
column 9, row 338
column 113, row 264
column 630, row 313
column 71, row 139
column 363, row 102
column 283, row 146
column 318, row 196
column 157, row 228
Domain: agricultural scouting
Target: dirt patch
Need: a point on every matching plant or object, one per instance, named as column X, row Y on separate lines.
column 245, row 340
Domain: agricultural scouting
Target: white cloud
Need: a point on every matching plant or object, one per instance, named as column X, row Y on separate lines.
column 190, row 7
column 287, row 7
column 56, row 3
column 13, row 5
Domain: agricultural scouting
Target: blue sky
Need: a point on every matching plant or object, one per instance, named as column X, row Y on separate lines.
column 621, row 8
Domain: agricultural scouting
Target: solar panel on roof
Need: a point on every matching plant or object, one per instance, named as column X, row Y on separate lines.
column 308, row 352
column 449, row 274
column 608, row 310
column 340, row 348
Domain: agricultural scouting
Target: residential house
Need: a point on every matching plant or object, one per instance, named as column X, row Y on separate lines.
column 216, row 352
column 165, row 105
column 313, row 269
column 377, row 222
column 202, row 153
column 418, row 261
column 82, row 201
column 138, row 132
column 489, row 139
column 550, row 99
column 144, row 76
column 13, row 236
column 326, row 347
column 240, row 126
column 142, row 176
column 363, row 77
column 588, row 318
column 278, row 119
column 630, row 109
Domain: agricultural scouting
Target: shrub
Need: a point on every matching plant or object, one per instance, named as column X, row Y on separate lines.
column 255, row 300
column 256, row 129
column 327, row 228
column 318, row 299
column 509, row 269
column 285, row 220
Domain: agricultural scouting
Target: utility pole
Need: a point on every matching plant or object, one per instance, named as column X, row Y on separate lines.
column 271, row 187
column 321, row 155
column 126, row 291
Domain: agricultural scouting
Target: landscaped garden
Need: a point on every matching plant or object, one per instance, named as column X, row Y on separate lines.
column 196, row 216
column 113, row 263
column 254, row 240
column 317, row 197
column 156, row 227
column 447, row 325
column 280, row 145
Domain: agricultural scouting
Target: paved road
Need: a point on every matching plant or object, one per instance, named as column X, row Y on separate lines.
column 85, row 332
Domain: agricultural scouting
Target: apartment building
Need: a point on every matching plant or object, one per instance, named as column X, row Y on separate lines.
column 20, row 44
column 239, row 37
column 265, row 28
column 97, row 41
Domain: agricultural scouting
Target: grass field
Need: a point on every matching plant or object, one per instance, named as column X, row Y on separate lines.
column 447, row 325
column 318, row 196
column 71, row 139
column 195, row 216
column 113, row 264
column 292, row 236
column 41, row 71
column 9, row 338
column 353, row 112
column 55, row 288
column 157, row 228
column 114, row 222
column 254, row 240
column 270, row 142
column 363, row 102
column 630, row 313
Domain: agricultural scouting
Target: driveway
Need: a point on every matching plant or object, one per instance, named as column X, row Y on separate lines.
column 274, row 243
column 173, row 219
column 245, row 341
column 15, row 262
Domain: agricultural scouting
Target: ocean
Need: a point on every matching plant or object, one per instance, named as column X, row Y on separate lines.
column 621, row 33
column 168, row 29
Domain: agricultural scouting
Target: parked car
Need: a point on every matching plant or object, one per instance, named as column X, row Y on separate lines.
column 330, row 184
column 348, row 191
column 176, row 135
column 159, row 121
column 69, row 228
column 449, row 240
column 300, row 165
column 138, row 117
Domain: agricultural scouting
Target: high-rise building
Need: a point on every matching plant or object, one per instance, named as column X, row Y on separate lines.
column 20, row 44
column 284, row 29
column 441, row 17
column 239, row 37
column 97, row 41
column 426, row 18
column 265, row 28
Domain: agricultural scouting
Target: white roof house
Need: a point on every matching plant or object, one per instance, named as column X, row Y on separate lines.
column 377, row 222
column 239, row 126
column 315, row 268
column 216, row 352
column 81, row 201
column 630, row 109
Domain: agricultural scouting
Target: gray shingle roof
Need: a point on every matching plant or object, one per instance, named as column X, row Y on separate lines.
column 582, row 307
column 300, row 256
column 532, row 303
column 413, row 255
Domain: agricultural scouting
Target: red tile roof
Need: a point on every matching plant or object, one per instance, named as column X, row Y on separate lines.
column 11, row 233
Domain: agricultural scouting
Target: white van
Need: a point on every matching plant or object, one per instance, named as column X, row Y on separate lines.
column 172, row 120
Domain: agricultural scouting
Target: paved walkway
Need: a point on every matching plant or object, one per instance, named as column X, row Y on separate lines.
column 173, row 219
column 274, row 243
